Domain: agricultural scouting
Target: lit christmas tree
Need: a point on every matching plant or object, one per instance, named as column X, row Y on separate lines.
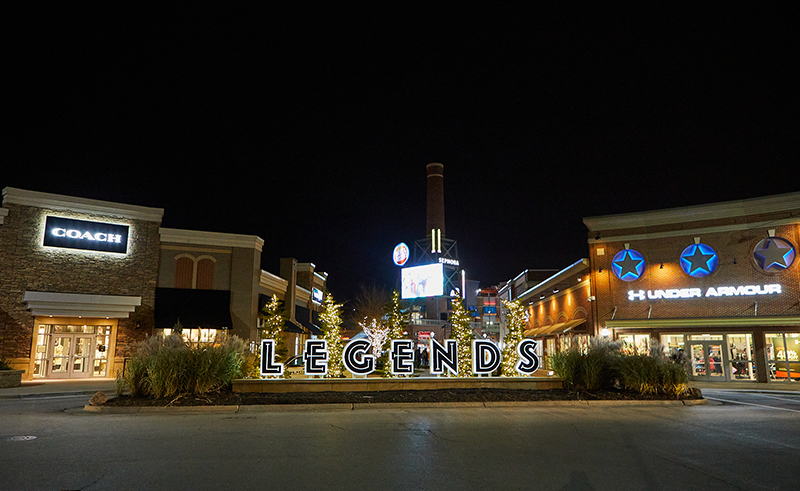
column 515, row 314
column 273, row 321
column 395, row 319
column 463, row 334
column 331, row 319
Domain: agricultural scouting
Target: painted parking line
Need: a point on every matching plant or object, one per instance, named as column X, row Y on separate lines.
column 753, row 404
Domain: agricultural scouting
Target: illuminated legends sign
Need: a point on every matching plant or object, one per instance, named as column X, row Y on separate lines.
column 91, row 236
column 356, row 357
column 721, row 291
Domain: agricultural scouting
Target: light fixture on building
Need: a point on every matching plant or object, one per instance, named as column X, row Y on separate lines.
column 605, row 332
column 662, row 266
column 541, row 297
column 555, row 289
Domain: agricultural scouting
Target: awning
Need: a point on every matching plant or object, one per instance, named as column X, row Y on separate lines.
column 292, row 327
column 551, row 330
column 304, row 317
column 207, row 309
column 83, row 305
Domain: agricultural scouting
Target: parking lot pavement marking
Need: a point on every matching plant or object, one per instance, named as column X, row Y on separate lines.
column 753, row 404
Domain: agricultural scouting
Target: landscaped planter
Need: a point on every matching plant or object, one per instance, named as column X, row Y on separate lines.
column 10, row 378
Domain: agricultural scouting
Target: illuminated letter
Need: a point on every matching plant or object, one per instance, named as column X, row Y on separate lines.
column 356, row 360
column 87, row 235
column 485, row 357
column 268, row 365
column 441, row 357
column 74, row 234
column 114, row 238
column 528, row 359
column 632, row 295
column 59, row 232
column 316, row 357
column 402, row 357
column 101, row 236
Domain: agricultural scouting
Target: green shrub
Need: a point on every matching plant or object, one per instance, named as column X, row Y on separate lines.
column 602, row 365
column 165, row 366
column 5, row 365
column 594, row 369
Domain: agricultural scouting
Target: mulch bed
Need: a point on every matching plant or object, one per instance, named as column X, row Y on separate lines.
column 227, row 397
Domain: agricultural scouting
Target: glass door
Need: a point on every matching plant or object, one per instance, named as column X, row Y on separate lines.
column 62, row 347
column 71, row 356
column 709, row 361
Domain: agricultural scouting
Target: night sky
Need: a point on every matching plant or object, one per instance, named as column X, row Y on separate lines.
column 310, row 125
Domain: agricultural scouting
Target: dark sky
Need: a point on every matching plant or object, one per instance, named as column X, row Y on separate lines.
column 310, row 124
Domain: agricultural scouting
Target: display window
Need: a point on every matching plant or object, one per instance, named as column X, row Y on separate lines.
column 782, row 356
column 635, row 344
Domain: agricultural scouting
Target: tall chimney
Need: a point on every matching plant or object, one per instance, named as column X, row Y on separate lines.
column 435, row 213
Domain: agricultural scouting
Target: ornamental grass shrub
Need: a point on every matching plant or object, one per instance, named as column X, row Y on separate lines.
column 166, row 366
column 603, row 366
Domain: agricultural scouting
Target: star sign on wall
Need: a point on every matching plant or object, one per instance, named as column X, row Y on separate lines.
column 774, row 254
column 699, row 260
column 628, row 265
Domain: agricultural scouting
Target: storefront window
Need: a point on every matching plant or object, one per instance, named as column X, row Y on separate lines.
column 782, row 356
column 742, row 356
column 199, row 336
column 635, row 344
column 673, row 346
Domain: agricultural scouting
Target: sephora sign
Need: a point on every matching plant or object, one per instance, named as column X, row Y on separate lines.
column 357, row 359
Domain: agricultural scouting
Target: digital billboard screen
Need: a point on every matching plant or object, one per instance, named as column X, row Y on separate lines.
column 423, row 281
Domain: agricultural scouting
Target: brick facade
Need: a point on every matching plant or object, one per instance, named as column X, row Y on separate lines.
column 733, row 230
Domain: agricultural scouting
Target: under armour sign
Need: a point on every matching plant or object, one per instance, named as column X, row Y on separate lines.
column 91, row 236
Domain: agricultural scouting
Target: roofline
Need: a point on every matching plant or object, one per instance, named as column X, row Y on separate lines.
column 570, row 270
column 51, row 201
column 726, row 209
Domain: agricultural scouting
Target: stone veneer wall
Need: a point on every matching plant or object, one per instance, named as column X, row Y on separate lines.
column 26, row 266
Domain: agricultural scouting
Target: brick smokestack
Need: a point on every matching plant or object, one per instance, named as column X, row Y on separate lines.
column 435, row 212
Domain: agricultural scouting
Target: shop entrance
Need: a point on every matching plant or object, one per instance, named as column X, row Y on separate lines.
column 708, row 360
column 72, row 350
column 71, row 356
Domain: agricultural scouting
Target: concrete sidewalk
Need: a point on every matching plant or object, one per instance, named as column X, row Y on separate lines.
column 54, row 388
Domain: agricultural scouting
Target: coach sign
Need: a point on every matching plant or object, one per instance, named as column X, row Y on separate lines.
column 91, row 236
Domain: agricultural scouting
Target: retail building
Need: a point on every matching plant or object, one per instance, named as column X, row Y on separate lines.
column 84, row 280
column 718, row 285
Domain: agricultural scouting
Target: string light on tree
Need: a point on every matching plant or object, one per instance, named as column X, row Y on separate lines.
column 463, row 334
column 515, row 313
column 331, row 319
column 273, row 321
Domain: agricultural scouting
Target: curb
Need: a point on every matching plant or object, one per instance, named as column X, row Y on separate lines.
column 49, row 394
column 283, row 408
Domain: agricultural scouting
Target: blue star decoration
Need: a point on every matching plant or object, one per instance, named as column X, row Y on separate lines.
column 628, row 265
column 699, row 260
column 774, row 254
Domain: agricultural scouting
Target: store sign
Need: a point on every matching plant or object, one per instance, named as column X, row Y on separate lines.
column 449, row 262
column 317, row 295
column 400, row 254
column 80, row 234
column 357, row 357
column 721, row 291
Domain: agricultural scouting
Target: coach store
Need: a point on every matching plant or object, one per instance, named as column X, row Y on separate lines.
column 718, row 286
column 78, row 283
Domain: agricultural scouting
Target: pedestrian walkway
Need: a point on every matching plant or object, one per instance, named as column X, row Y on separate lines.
column 53, row 388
